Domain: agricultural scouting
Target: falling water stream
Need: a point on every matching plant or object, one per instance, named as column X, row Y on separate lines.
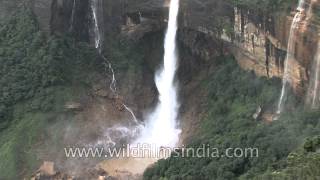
column 290, row 56
column 315, row 83
column 95, row 6
column 72, row 15
column 161, row 125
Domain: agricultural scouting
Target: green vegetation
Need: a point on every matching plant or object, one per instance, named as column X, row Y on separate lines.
column 129, row 56
column 31, row 63
column 266, row 6
column 20, row 141
column 124, row 55
column 234, row 96
column 302, row 164
column 38, row 74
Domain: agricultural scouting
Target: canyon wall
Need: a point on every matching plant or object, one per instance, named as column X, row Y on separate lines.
column 54, row 16
column 257, row 39
column 261, row 45
column 209, row 28
column 41, row 8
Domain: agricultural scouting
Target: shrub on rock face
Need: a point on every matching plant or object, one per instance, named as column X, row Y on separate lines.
column 312, row 144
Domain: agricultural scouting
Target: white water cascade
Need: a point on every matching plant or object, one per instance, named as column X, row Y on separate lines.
column 290, row 56
column 161, row 125
column 315, row 83
column 96, row 6
column 73, row 13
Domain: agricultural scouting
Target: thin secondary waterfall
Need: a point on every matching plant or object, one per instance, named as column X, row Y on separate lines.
column 315, row 83
column 290, row 56
column 96, row 6
column 72, row 15
column 161, row 126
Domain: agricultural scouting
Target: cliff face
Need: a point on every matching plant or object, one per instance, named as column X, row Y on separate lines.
column 41, row 8
column 70, row 16
column 7, row 7
column 54, row 16
column 258, row 40
column 261, row 45
column 207, row 28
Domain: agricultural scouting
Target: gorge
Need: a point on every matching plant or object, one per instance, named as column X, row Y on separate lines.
column 177, row 74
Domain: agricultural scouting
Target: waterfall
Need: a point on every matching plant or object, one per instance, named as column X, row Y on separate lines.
column 286, row 80
column 315, row 84
column 96, row 6
column 161, row 126
column 72, row 15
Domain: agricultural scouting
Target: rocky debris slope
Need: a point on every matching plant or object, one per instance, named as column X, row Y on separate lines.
column 48, row 171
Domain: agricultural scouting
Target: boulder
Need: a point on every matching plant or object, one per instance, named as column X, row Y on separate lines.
column 73, row 106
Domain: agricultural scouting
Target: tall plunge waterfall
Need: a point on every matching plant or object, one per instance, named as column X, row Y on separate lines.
column 161, row 126
column 290, row 56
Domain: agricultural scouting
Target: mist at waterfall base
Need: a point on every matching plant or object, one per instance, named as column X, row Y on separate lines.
column 161, row 125
column 286, row 80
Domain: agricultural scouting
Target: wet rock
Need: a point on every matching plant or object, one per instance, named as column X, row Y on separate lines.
column 47, row 168
column 101, row 91
column 135, row 32
column 73, row 106
column 257, row 114
column 98, row 173
column 118, row 103
column 47, row 172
